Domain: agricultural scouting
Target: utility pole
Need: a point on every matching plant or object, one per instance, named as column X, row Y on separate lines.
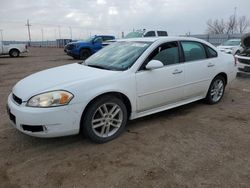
column 59, row 31
column 70, row 31
column 42, row 36
column 1, row 39
column 1, row 34
column 28, row 26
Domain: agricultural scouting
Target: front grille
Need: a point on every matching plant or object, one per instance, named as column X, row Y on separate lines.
column 70, row 46
column 244, row 61
column 17, row 99
column 245, row 69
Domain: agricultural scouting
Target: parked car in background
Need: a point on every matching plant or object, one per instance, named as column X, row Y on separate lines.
column 128, row 79
column 231, row 46
column 84, row 49
column 144, row 33
column 243, row 57
column 13, row 50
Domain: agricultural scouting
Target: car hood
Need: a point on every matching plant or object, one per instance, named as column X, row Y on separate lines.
column 57, row 78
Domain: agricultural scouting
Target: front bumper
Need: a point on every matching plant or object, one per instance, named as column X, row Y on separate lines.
column 45, row 122
column 70, row 53
column 243, row 65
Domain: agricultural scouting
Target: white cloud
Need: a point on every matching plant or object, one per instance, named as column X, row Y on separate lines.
column 113, row 11
column 101, row 2
column 111, row 16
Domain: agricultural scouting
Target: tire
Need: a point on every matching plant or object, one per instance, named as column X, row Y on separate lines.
column 14, row 53
column 84, row 54
column 99, row 125
column 216, row 90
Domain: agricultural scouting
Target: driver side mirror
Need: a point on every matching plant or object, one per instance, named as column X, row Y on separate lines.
column 154, row 64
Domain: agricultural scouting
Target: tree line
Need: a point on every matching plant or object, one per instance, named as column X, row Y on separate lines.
column 231, row 25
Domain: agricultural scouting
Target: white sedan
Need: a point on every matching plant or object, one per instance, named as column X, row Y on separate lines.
column 126, row 80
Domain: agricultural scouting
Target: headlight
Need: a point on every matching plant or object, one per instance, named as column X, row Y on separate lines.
column 50, row 99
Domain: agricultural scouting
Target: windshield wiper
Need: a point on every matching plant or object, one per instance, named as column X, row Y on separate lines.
column 98, row 66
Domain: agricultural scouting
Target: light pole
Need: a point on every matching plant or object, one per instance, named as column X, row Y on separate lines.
column 70, row 32
column 1, row 34
column 42, row 37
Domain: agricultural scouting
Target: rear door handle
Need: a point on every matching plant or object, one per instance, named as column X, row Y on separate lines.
column 177, row 71
column 210, row 65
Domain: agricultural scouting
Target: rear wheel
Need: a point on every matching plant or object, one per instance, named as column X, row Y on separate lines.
column 84, row 54
column 105, row 119
column 216, row 90
column 14, row 53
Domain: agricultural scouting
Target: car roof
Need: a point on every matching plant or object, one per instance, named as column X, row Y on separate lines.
column 104, row 36
column 166, row 39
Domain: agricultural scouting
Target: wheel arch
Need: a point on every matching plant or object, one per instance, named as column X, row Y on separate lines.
column 85, row 48
column 224, row 75
column 14, row 49
column 117, row 94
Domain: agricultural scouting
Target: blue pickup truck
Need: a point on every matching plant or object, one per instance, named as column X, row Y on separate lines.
column 84, row 49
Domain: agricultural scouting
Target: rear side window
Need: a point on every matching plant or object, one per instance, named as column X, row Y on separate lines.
column 150, row 34
column 162, row 33
column 211, row 52
column 105, row 38
column 193, row 51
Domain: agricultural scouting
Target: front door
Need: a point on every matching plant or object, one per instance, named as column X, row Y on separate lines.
column 97, row 44
column 163, row 86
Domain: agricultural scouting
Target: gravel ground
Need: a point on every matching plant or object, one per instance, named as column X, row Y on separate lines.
column 195, row 145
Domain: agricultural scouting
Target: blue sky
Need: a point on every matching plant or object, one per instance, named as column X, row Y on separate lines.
column 89, row 17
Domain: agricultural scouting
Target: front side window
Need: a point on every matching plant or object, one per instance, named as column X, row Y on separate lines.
column 98, row 40
column 117, row 56
column 150, row 34
column 167, row 53
column 193, row 51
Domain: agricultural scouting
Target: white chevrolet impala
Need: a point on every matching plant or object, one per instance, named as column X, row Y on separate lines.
column 128, row 79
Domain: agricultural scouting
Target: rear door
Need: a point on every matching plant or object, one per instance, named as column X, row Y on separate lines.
column 163, row 86
column 199, row 68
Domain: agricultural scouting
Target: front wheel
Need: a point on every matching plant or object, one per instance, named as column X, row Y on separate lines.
column 14, row 53
column 216, row 90
column 84, row 54
column 105, row 119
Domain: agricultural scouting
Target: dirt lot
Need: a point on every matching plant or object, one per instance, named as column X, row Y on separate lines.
column 196, row 145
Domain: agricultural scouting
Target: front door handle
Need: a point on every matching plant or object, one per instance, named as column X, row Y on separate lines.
column 210, row 65
column 177, row 71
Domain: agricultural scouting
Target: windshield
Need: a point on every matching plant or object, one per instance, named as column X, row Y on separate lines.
column 231, row 43
column 134, row 35
column 117, row 56
column 88, row 39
